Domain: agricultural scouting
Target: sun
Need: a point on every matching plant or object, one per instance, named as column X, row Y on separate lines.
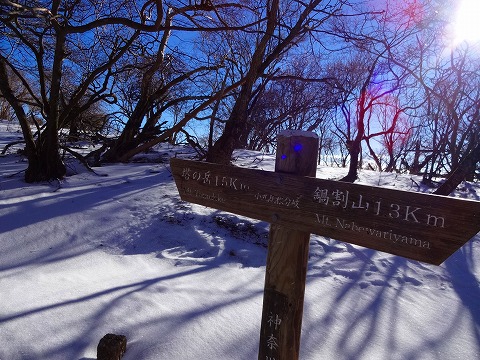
column 467, row 22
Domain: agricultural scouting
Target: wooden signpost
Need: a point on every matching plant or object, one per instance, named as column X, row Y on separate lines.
column 423, row 227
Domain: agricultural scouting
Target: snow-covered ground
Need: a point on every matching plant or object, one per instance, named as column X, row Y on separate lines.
column 119, row 252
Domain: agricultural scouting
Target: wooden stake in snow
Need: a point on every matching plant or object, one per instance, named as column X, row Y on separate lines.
column 417, row 226
column 111, row 347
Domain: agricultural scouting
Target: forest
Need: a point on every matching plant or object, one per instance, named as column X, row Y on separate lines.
column 387, row 85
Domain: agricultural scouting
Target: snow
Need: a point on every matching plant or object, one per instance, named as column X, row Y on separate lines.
column 119, row 252
column 289, row 133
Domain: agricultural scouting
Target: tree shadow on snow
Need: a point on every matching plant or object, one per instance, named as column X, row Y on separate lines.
column 386, row 306
column 129, row 301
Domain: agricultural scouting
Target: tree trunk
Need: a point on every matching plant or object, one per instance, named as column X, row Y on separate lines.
column 128, row 138
column 375, row 157
column 236, row 129
column 44, row 161
column 464, row 169
column 235, row 133
column 354, row 150
column 8, row 94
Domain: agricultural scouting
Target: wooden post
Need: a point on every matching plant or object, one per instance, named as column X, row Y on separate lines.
column 287, row 259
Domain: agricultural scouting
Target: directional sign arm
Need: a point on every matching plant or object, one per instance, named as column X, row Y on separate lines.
column 418, row 226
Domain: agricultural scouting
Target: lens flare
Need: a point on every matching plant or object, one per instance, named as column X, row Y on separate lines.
column 467, row 22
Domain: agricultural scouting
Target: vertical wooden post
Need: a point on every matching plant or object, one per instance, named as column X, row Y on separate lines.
column 287, row 259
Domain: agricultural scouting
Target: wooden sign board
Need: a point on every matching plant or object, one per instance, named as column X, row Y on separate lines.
column 423, row 227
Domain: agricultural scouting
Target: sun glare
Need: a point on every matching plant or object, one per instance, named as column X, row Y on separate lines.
column 467, row 22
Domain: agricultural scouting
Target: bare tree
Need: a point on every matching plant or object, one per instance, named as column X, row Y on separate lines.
column 367, row 85
column 448, row 118
column 176, row 79
column 92, row 40
column 42, row 37
column 297, row 97
column 390, row 39
column 162, row 75
column 287, row 24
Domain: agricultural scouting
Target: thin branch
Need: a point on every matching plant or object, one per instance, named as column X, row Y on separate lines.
column 81, row 158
